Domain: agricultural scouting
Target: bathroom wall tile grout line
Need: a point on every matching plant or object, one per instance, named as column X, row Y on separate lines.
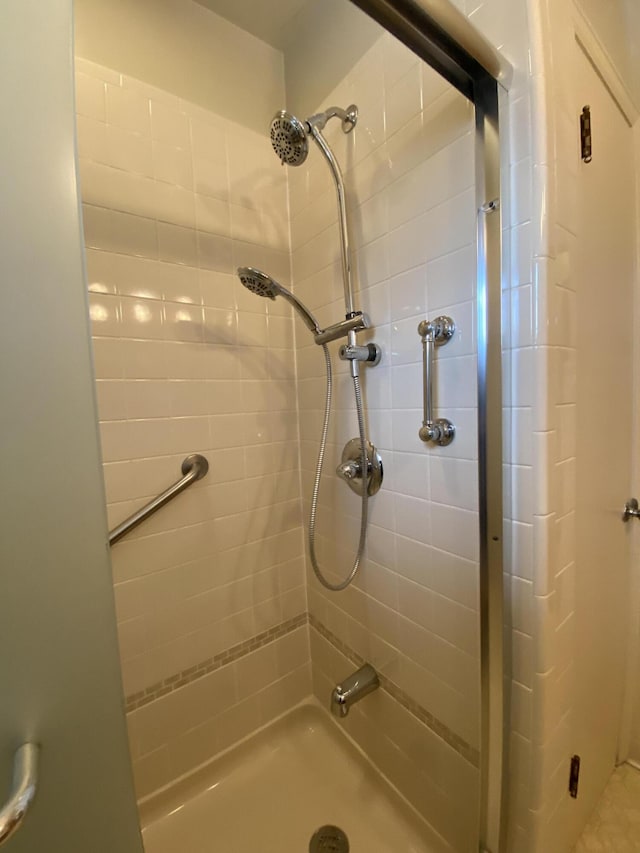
column 457, row 743
column 192, row 673
column 174, row 682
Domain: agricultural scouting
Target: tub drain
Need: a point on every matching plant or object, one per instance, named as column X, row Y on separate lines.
column 329, row 839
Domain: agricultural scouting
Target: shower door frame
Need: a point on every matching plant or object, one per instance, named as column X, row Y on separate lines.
column 443, row 38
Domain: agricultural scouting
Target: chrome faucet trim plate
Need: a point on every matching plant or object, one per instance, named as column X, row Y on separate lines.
column 350, row 468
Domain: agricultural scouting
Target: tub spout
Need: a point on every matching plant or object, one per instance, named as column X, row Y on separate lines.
column 354, row 688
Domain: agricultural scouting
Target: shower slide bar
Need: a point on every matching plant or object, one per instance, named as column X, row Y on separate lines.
column 25, row 782
column 194, row 468
column 432, row 334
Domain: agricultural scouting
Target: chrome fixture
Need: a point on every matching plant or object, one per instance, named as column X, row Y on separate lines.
column 350, row 468
column 23, row 790
column 289, row 135
column 194, row 467
column 349, row 117
column 356, row 323
column 371, row 353
column 433, row 334
column 342, row 212
column 354, row 688
column 262, row 284
column 289, row 140
column 329, row 839
column 631, row 510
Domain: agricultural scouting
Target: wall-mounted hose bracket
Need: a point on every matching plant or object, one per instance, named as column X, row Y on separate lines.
column 368, row 354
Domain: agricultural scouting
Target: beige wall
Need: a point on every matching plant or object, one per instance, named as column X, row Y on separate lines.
column 617, row 24
column 187, row 50
column 321, row 44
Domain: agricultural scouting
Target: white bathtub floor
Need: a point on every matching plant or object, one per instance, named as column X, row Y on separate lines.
column 271, row 793
column 614, row 826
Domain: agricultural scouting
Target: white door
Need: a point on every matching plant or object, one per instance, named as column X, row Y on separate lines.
column 605, row 305
column 59, row 672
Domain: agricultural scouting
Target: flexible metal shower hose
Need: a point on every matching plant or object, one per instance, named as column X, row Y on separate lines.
column 316, row 484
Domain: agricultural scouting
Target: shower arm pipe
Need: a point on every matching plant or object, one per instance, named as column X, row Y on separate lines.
column 342, row 211
column 194, row 467
column 348, row 118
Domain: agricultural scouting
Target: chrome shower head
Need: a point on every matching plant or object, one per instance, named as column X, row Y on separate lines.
column 258, row 282
column 262, row 284
column 289, row 138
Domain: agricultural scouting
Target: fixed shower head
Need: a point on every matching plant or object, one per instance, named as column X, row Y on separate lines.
column 262, row 284
column 289, row 138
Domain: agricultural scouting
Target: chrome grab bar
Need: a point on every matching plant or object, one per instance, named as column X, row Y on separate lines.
column 434, row 333
column 194, row 468
column 25, row 781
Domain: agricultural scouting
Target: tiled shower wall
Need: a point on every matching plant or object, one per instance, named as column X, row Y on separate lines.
column 413, row 609
column 210, row 592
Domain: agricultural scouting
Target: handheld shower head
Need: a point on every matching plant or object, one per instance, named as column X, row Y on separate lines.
column 258, row 282
column 262, row 284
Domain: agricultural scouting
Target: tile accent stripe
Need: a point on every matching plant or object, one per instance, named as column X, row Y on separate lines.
column 468, row 752
column 180, row 679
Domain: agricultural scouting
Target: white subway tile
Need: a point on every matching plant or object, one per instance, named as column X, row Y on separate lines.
column 169, row 125
column 93, row 69
column 104, row 311
column 214, row 252
column 128, row 109
column 172, row 165
column 133, row 235
column 129, row 151
column 174, row 204
column 90, row 97
column 177, row 245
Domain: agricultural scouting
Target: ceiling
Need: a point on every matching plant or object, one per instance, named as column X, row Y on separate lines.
column 265, row 19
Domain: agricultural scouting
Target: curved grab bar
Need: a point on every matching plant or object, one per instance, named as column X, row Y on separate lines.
column 194, row 468
column 25, row 781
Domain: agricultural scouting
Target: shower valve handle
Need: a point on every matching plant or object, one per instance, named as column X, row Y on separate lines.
column 350, row 470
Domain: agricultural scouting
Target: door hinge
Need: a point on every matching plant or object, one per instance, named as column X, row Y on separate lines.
column 574, row 775
column 585, row 134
